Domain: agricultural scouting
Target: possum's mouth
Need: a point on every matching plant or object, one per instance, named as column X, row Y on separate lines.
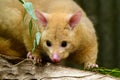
column 55, row 59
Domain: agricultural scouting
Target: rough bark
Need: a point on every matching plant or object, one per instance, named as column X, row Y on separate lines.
column 26, row 70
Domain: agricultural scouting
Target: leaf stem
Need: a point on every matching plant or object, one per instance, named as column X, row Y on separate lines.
column 22, row 1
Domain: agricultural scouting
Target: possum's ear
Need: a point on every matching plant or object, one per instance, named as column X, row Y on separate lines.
column 75, row 19
column 41, row 17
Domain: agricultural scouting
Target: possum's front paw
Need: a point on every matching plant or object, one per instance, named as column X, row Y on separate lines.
column 34, row 56
column 90, row 65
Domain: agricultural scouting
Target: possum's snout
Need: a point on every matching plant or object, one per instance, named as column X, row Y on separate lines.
column 55, row 58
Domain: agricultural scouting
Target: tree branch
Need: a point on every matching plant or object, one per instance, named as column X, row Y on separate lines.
column 27, row 70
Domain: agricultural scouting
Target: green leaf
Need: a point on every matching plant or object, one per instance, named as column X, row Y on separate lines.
column 30, row 27
column 34, row 45
column 29, row 8
column 38, row 35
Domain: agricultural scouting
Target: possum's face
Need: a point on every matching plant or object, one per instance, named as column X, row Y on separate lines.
column 57, row 35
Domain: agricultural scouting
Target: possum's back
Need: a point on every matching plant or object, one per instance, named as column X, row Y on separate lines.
column 11, row 13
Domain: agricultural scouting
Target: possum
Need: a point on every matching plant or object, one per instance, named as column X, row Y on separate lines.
column 67, row 34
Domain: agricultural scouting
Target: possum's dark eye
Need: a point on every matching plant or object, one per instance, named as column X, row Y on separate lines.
column 48, row 43
column 63, row 44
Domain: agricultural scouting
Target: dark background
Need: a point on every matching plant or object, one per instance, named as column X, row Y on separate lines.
column 105, row 15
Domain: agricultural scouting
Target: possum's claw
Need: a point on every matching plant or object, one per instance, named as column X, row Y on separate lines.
column 34, row 57
column 88, row 66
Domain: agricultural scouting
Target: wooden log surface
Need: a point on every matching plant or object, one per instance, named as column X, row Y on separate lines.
column 26, row 70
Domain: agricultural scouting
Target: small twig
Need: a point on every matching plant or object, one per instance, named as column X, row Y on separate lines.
column 23, row 61
column 66, row 76
column 102, row 77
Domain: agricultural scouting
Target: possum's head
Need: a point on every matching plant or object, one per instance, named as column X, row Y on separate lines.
column 58, row 35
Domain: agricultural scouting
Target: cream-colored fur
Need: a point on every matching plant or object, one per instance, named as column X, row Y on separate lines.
column 82, row 41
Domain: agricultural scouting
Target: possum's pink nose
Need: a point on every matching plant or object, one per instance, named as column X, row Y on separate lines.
column 55, row 58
